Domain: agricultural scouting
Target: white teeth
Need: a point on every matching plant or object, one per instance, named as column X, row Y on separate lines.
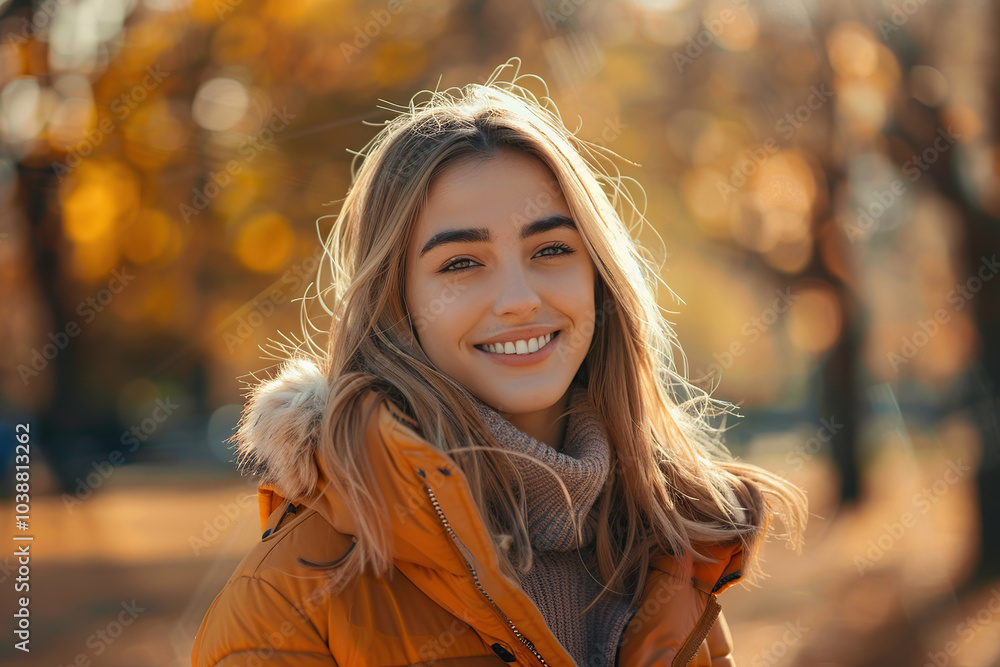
column 518, row 347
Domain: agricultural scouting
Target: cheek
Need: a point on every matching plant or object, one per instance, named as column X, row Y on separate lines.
column 574, row 294
column 418, row 305
column 438, row 314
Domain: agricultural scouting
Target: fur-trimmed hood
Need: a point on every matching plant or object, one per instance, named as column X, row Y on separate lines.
column 278, row 441
column 279, row 432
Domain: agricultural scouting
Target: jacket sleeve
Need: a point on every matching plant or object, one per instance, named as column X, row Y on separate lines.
column 720, row 643
column 251, row 624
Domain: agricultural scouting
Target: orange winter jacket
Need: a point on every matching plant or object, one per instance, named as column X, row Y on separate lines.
column 446, row 601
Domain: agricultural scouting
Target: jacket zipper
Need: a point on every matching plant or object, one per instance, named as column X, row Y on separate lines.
column 475, row 577
column 690, row 647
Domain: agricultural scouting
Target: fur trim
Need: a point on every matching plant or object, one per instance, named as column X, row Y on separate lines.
column 279, row 431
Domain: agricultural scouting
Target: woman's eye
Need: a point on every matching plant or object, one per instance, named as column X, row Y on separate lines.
column 456, row 265
column 562, row 247
column 464, row 263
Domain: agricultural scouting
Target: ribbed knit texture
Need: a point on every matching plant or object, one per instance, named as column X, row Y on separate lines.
column 559, row 582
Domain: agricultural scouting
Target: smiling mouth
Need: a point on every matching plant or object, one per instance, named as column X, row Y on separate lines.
column 523, row 346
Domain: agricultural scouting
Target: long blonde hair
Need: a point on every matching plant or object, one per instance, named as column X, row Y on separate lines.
column 673, row 484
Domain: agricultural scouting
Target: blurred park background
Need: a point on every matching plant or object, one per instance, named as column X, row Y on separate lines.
column 823, row 179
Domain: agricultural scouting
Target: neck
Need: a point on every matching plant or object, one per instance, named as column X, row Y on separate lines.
column 545, row 426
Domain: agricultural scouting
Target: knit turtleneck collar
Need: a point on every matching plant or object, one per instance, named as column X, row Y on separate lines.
column 582, row 465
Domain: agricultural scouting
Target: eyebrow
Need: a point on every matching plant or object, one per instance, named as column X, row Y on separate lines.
column 482, row 234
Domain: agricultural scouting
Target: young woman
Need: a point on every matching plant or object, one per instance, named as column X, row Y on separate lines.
column 494, row 460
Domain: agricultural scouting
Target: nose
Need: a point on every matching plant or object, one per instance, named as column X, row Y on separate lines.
column 515, row 294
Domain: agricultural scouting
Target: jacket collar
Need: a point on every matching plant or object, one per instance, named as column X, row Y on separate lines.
column 405, row 466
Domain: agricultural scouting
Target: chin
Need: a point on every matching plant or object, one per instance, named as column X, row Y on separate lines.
column 515, row 400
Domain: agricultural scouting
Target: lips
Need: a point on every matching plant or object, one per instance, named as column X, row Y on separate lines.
column 520, row 346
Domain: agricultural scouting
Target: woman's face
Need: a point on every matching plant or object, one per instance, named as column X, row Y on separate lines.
column 496, row 259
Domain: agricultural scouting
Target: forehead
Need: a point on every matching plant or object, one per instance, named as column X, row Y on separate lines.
column 492, row 192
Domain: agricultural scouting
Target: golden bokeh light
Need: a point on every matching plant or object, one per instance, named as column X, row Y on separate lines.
column 714, row 212
column 295, row 13
column 211, row 11
column 948, row 350
column 264, row 242
column 815, row 319
column 242, row 191
column 779, row 222
column 663, row 26
column 791, row 256
column 145, row 43
column 785, row 181
column 91, row 263
column 153, row 133
column 220, row 103
column 864, row 108
column 734, row 28
column 966, row 121
column 148, row 237
column 764, row 232
column 97, row 198
column 74, row 118
column 89, row 212
column 852, row 49
column 720, row 143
